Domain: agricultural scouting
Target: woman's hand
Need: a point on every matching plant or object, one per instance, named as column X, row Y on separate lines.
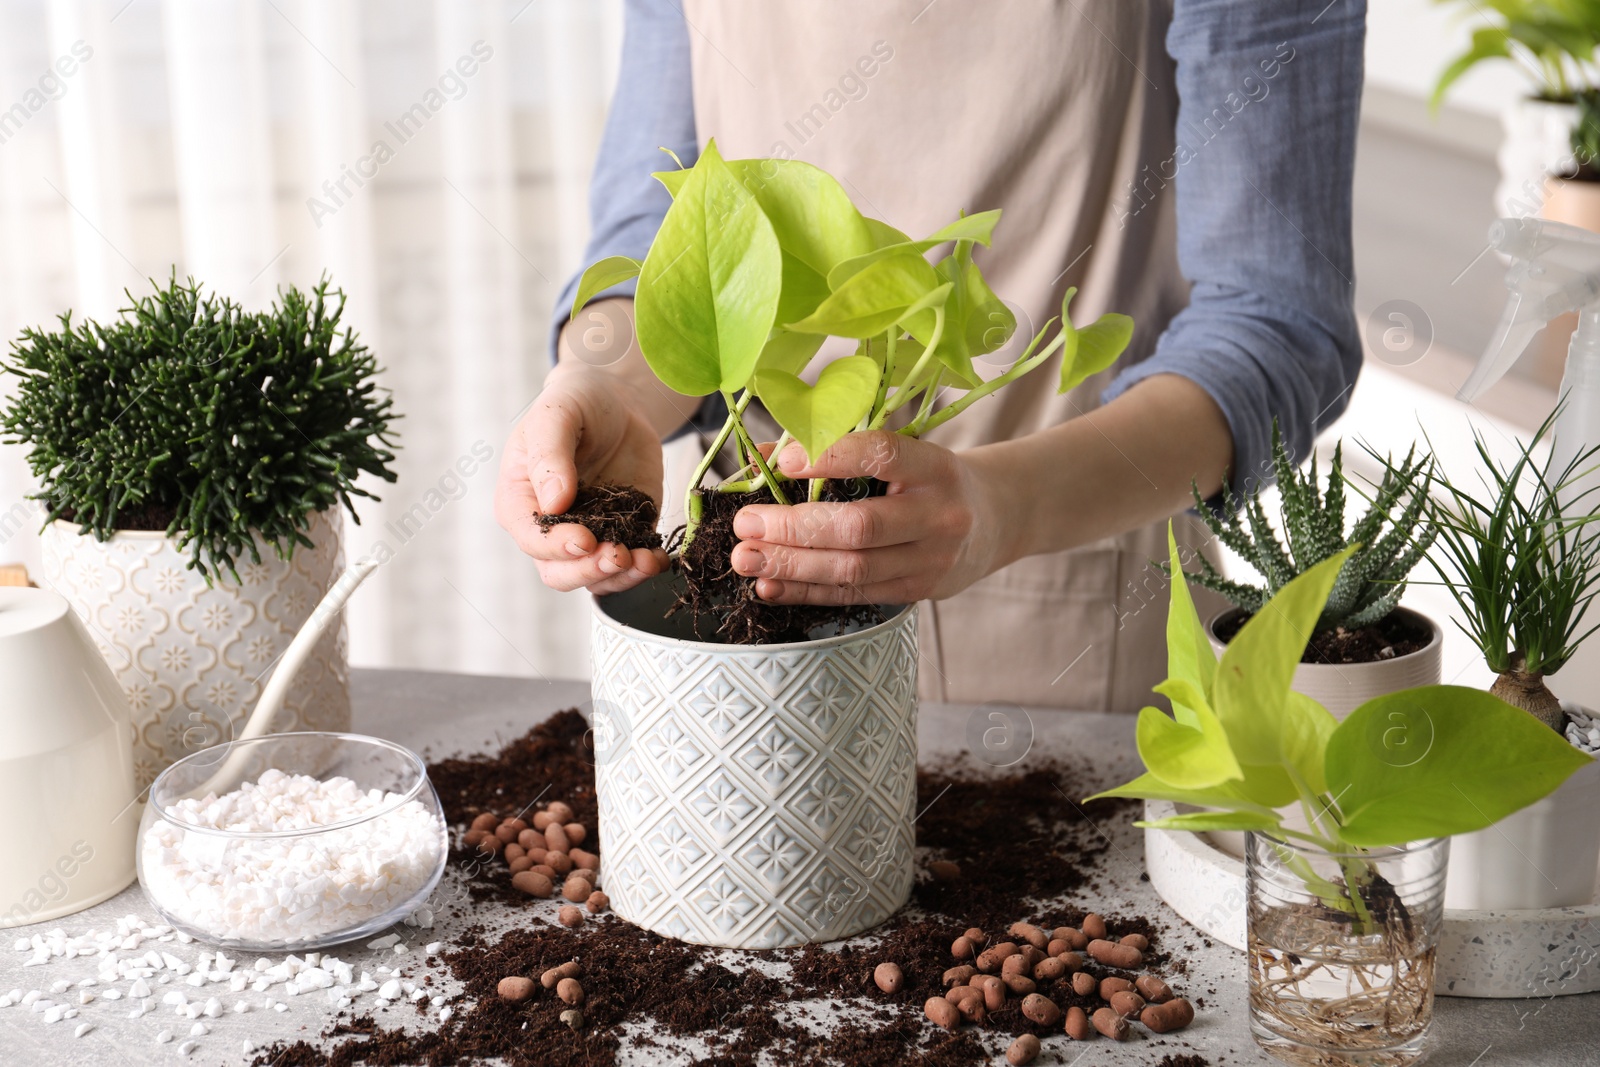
column 936, row 531
column 585, row 426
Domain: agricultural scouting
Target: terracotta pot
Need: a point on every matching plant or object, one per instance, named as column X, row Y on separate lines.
column 191, row 657
column 753, row 796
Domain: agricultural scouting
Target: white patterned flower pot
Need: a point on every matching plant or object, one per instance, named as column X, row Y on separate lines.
column 193, row 657
column 753, row 796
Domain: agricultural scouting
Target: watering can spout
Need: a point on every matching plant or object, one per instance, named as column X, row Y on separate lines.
column 299, row 649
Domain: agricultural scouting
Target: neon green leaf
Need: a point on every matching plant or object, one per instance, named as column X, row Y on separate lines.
column 610, row 271
column 819, row 415
column 1091, row 349
column 1440, row 760
column 708, row 291
column 872, row 300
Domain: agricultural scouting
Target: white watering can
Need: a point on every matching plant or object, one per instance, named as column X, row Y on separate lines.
column 69, row 810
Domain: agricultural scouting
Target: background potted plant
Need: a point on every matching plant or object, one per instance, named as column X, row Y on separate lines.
column 192, row 457
column 1362, row 642
column 756, row 764
column 1522, row 560
column 1343, row 915
column 1553, row 42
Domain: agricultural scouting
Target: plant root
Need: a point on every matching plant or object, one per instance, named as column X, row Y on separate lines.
column 723, row 605
column 619, row 514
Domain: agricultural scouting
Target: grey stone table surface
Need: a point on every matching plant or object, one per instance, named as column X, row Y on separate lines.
column 440, row 714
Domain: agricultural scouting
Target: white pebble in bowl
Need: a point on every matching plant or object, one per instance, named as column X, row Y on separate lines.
column 297, row 887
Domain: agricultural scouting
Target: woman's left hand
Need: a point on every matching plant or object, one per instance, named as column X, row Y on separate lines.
column 934, row 533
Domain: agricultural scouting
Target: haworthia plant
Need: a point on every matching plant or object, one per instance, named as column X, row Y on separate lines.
column 758, row 261
column 1381, row 548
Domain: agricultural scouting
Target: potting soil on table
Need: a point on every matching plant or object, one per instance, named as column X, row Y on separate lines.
column 1017, row 839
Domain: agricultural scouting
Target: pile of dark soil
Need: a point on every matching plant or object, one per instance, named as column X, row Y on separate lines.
column 619, row 514
column 1016, row 840
column 723, row 604
column 1398, row 634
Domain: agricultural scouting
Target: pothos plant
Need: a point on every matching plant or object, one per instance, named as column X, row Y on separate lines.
column 758, row 261
column 1420, row 763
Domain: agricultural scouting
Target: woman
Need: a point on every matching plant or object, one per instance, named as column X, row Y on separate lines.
column 1187, row 163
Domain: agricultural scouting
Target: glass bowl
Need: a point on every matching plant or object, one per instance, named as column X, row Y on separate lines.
column 282, row 862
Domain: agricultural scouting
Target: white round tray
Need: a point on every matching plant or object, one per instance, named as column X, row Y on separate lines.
column 1544, row 953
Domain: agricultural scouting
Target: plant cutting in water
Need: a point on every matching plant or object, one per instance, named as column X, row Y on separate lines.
column 1405, row 767
column 1523, row 562
column 756, row 263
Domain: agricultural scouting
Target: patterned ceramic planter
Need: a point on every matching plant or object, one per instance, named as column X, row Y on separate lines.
column 190, row 656
column 753, row 797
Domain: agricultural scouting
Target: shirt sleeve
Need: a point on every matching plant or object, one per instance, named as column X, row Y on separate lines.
column 1270, row 96
column 653, row 107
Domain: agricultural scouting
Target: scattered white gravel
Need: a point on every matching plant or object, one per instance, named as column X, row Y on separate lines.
column 135, row 958
column 1583, row 729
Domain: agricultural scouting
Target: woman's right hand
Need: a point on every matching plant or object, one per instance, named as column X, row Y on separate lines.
column 587, row 425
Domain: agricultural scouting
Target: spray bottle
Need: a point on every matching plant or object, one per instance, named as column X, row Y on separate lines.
column 1555, row 269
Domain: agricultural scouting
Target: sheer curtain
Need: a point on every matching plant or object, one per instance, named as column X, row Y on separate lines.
column 430, row 157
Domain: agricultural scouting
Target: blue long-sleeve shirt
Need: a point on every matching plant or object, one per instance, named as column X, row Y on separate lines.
column 1263, row 213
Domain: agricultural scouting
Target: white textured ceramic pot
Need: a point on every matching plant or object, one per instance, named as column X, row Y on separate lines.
column 1544, row 856
column 1344, row 687
column 191, row 657
column 753, row 796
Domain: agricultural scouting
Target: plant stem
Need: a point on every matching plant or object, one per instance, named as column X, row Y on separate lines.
column 756, row 457
column 909, row 390
column 692, row 509
column 1025, row 363
column 817, row 485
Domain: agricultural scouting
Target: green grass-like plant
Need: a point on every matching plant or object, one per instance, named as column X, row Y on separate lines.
column 1522, row 560
column 1389, row 540
column 188, row 409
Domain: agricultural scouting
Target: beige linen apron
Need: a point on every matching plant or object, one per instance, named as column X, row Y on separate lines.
column 1047, row 109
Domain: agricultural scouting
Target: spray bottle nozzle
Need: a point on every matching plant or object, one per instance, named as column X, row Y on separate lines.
column 1555, row 269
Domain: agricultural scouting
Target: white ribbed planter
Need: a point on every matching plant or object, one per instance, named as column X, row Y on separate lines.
column 1344, row 687
column 191, row 656
column 753, row 796
column 1544, row 856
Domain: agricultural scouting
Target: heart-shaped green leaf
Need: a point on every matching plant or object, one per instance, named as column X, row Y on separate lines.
column 1193, row 753
column 610, row 271
column 969, row 228
column 1189, row 655
column 873, row 299
column 1440, row 760
column 809, row 210
column 709, row 288
column 1251, row 691
column 1090, row 350
column 817, row 416
column 789, row 351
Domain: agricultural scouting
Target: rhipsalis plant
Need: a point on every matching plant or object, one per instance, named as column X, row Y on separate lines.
column 759, row 260
column 191, row 414
column 1383, row 545
column 1416, row 764
column 1523, row 561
